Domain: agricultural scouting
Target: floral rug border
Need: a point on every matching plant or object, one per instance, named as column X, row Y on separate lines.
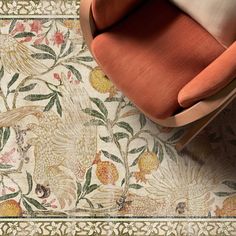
column 39, row 8
column 118, row 227
column 97, row 226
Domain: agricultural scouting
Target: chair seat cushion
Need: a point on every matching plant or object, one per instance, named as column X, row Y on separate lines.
column 153, row 53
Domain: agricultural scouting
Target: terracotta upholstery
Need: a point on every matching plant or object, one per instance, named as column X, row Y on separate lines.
column 155, row 52
column 211, row 80
column 108, row 12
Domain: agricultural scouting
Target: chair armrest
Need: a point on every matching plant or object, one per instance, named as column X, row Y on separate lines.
column 211, row 80
column 215, row 103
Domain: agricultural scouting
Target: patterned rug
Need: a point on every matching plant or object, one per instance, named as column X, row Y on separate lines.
column 77, row 158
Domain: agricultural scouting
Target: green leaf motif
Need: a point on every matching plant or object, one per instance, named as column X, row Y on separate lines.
column 94, row 113
column 35, row 203
column 79, row 189
column 9, row 196
column 135, row 186
column 224, row 194
column 136, row 160
column 170, row 153
column 122, row 182
column 91, row 188
column 42, row 56
column 106, row 139
column 12, row 25
column 30, row 182
column 112, row 157
column 160, row 153
column 120, row 135
column 176, row 136
column 89, row 202
column 142, row 120
column 38, row 97
column 134, row 163
column 95, row 123
column 5, row 135
column 5, row 166
column 50, row 103
column 88, row 179
column 45, row 48
column 69, row 51
column 155, row 147
column 13, row 80
column 24, row 34
column 230, row 184
column 113, row 99
column 28, row 87
column 28, row 207
column 100, row 105
column 125, row 126
column 85, row 59
column 137, row 150
column 74, row 71
column 1, row 72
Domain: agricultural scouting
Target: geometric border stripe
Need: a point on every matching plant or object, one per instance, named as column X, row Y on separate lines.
column 39, row 7
column 111, row 227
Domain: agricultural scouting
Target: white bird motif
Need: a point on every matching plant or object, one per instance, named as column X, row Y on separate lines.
column 64, row 148
column 185, row 187
column 16, row 57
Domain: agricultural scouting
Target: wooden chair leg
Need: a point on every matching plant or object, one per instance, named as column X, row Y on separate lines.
column 198, row 126
column 193, row 131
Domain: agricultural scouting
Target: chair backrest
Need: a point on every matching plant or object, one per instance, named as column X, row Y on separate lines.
column 108, row 12
column 217, row 16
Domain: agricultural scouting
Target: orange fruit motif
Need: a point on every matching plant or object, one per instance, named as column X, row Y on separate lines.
column 106, row 171
column 101, row 83
column 147, row 162
column 228, row 208
column 10, row 208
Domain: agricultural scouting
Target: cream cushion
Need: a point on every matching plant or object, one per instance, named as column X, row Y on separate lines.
column 218, row 17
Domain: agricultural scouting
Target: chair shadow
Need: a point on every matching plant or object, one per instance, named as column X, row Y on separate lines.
column 215, row 146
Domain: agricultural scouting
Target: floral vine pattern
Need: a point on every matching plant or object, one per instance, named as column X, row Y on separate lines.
column 71, row 145
column 64, row 137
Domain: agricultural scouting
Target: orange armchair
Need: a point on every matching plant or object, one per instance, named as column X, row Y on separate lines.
column 164, row 61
